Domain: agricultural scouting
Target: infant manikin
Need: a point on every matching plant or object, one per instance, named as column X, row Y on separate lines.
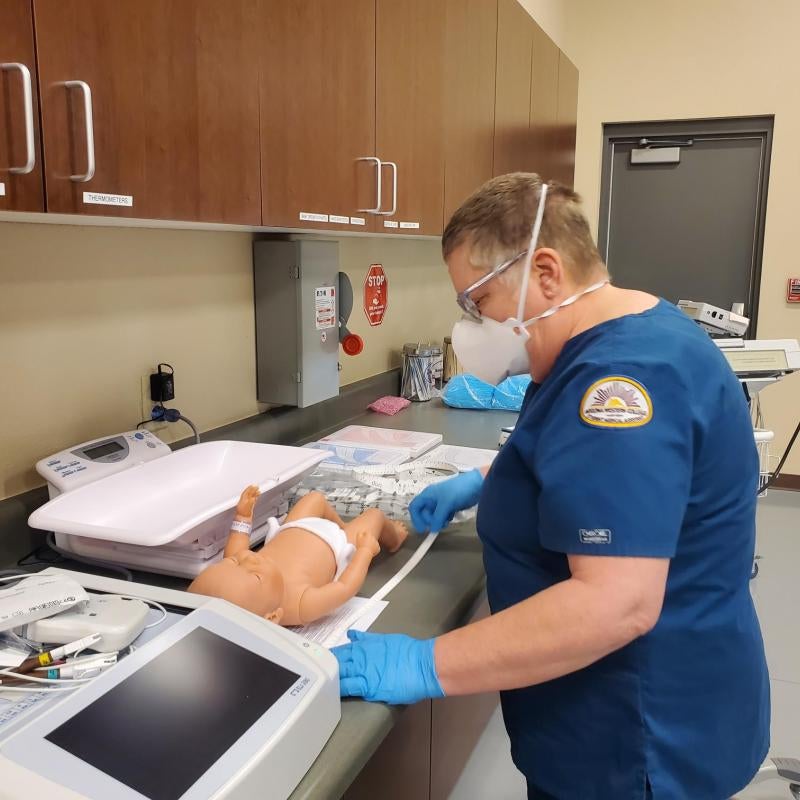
column 307, row 568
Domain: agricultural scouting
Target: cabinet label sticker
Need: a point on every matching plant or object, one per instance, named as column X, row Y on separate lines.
column 410, row 225
column 102, row 199
column 2, row 189
column 325, row 307
column 358, row 221
column 390, row 223
column 340, row 220
column 307, row 216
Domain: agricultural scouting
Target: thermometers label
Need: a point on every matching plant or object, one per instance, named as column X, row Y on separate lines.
column 102, row 199
column 307, row 216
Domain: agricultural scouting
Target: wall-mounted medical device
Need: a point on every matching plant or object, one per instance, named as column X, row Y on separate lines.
column 221, row 704
column 297, row 321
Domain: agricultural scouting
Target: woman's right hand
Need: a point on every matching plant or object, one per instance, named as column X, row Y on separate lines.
column 435, row 506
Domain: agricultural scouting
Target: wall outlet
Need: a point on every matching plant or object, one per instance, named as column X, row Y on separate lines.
column 146, row 406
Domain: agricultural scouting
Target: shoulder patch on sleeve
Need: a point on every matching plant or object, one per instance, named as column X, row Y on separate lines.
column 616, row 402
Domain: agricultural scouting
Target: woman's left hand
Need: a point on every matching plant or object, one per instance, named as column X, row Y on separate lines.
column 387, row 668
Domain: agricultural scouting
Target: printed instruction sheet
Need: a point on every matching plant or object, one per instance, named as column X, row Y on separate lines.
column 331, row 631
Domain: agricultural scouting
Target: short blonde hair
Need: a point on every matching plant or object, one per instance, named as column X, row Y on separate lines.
column 496, row 221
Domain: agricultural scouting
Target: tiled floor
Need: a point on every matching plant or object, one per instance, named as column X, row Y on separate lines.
column 490, row 773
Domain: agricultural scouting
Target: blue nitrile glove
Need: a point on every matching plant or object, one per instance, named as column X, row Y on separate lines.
column 387, row 668
column 435, row 506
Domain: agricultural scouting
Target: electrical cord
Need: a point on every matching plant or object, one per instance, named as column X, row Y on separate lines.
column 33, row 679
column 36, row 557
column 151, row 603
column 775, row 475
column 30, row 689
column 14, row 575
column 192, row 426
column 161, row 413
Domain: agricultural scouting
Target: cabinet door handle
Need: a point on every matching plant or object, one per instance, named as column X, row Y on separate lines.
column 27, row 101
column 86, row 92
column 378, row 190
column 393, row 209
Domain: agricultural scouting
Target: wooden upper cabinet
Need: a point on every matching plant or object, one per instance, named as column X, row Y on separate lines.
column 21, row 185
column 544, row 105
column 567, row 120
column 512, row 140
column 410, row 46
column 317, row 65
column 150, row 109
column 471, row 55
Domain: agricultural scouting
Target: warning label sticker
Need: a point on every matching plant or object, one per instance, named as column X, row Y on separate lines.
column 325, row 307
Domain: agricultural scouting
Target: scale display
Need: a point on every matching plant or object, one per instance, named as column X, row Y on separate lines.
column 106, row 449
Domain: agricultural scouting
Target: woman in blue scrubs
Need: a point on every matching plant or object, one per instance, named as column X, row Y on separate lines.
column 618, row 525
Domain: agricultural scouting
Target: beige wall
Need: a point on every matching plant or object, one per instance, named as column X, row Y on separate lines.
column 421, row 306
column 716, row 58
column 86, row 312
column 551, row 15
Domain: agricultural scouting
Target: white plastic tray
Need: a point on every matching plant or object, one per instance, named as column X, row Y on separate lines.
column 181, row 497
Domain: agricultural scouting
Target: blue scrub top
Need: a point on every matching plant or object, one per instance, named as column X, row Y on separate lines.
column 638, row 443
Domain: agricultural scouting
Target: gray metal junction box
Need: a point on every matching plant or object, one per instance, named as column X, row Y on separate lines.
column 297, row 321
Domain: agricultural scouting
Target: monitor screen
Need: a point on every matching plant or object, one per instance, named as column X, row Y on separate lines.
column 101, row 450
column 162, row 727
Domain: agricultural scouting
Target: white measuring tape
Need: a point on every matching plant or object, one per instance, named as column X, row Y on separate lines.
column 392, row 583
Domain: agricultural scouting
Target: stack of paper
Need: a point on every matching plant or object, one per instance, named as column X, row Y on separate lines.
column 345, row 457
column 415, row 442
column 464, row 458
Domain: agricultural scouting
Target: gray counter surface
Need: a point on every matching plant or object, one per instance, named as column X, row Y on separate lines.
column 437, row 596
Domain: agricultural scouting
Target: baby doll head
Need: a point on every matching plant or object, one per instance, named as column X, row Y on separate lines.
column 249, row 580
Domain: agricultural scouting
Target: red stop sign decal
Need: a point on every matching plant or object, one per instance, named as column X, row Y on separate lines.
column 376, row 294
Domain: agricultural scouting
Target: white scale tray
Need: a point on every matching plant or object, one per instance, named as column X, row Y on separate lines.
column 173, row 514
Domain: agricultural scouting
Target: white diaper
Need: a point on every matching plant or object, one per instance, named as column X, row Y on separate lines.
column 328, row 531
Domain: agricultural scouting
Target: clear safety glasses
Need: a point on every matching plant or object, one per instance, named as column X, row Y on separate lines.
column 464, row 299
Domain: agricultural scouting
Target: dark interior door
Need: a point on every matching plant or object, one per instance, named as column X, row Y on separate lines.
column 689, row 230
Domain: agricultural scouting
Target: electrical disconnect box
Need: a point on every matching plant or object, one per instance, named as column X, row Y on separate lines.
column 297, row 342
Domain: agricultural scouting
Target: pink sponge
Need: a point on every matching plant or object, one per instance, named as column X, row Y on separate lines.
column 389, row 405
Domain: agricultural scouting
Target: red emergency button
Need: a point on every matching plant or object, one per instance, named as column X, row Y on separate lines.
column 352, row 344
